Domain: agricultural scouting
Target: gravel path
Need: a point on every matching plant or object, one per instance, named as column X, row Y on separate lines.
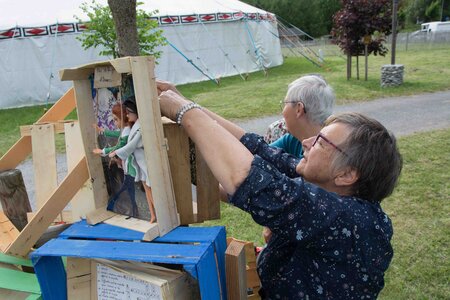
column 403, row 115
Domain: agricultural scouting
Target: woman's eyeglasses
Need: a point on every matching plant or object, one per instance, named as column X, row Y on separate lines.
column 320, row 135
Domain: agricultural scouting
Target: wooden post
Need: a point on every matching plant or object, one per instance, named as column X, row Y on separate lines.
column 14, row 197
column 349, row 66
column 155, row 145
column 236, row 271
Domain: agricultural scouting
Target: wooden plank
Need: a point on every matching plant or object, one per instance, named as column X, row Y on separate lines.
column 81, row 72
column 99, row 215
column 8, row 232
column 77, row 267
column 178, row 154
column 151, row 230
column 79, row 288
column 22, row 148
column 25, row 130
column 122, row 65
column 75, row 74
column 155, row 146
column 83, row 202
column 48, row 212
column 235, row 271
column 65, row 216
column 86, row 118
column 44, row 162
column 208, row 198
column 253, row 278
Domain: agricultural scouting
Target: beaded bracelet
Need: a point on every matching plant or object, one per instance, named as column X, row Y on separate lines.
column 184, row 109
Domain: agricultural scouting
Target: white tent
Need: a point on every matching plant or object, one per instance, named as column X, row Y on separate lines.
column 208, row 39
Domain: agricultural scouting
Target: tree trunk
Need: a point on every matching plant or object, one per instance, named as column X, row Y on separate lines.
column 124, row 16
column 366, row 62
column 349, row 66
column 357, row 67
column 14, row 198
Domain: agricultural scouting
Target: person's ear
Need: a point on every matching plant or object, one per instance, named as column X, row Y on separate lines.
column 346, row 177
column 299, row 109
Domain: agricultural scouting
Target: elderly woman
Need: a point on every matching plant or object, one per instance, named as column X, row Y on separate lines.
column 331, row 238
column 308, row 103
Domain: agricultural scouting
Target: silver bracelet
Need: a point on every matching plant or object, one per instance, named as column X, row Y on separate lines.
column 184, row 109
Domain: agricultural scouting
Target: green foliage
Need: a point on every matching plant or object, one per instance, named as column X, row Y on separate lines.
column 360, row 18
column 101, row 32
column 313, row 17
column 421, row 11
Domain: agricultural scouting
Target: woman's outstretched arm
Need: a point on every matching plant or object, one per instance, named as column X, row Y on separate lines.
column 225, row 155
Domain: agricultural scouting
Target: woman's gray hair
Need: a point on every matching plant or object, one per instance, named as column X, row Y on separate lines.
column 317, row 96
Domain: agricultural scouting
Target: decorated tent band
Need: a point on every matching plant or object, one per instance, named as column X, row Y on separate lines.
column 65, row 28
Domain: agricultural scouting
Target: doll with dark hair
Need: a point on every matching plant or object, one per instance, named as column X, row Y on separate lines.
column 133, row 154
column 121, row 121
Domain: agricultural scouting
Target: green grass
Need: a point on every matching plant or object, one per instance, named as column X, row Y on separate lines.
column 420, row 212
column 426, row 70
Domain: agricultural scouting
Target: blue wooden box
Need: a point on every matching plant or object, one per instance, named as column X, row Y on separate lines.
column 200, row 250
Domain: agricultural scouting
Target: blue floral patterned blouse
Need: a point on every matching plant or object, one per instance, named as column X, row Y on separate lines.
column 323, row 246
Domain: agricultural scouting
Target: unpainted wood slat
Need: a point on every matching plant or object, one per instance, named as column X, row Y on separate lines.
column 86, row 118
column 208, row 198
column 178, row 153
column 83, row 202
column 44, row 161
column 22, row 148
column 155, row 147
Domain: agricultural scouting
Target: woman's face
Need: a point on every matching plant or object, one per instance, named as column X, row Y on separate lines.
column 118, row 121
column 315, row 165
column 132, row 117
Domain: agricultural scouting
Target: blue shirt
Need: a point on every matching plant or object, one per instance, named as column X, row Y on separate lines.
column 323, row 246
column 290, row 144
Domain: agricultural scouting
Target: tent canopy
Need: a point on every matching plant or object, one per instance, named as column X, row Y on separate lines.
column 207, row 39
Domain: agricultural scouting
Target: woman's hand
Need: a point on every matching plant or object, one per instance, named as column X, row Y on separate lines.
column 112, row 154
column 163, row 86
column 170, row 103
column 97, row 128
column 97, row 151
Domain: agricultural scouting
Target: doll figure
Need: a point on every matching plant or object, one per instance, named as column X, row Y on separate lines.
column 133, row 154
column 121, row 122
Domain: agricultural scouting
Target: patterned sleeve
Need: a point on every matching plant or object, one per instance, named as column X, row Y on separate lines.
column 284, row 162
column 287, row 206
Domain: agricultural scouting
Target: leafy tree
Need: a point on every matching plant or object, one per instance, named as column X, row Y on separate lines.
column 419, row 11
column 101, row 32
column 360, row 18
column 313, row 17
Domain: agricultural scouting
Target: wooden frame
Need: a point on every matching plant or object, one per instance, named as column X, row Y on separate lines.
column 85, row 172
column 155, row 145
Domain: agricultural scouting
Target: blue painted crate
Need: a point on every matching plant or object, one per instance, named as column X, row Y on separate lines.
column 200, row 250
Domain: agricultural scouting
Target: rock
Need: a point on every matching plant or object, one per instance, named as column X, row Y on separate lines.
column 391, row 75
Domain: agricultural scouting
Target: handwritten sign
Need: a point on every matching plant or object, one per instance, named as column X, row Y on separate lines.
column 114, row 285
column 106, row 76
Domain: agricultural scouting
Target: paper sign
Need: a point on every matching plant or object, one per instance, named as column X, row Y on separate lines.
column 106, row 76
column 114, row 285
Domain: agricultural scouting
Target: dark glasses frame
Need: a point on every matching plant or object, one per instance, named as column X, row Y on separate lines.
column 320, row 135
